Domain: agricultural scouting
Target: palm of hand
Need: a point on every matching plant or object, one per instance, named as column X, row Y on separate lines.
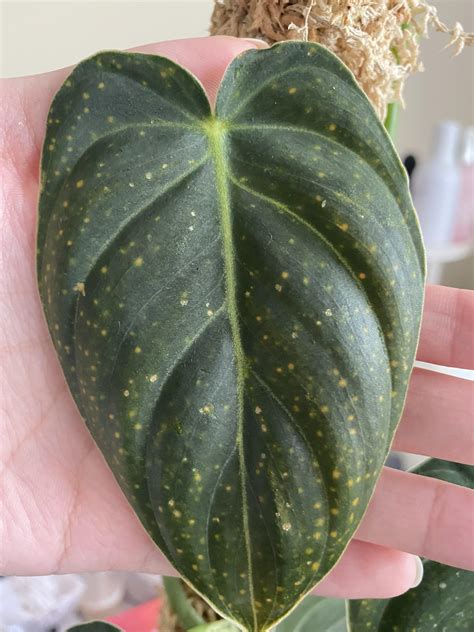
column 62, row 509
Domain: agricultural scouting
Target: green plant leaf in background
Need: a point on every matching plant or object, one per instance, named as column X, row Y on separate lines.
column 457, row 473
column 444, row 601
column 235, row 299
column 316, row 614
column 94, row 626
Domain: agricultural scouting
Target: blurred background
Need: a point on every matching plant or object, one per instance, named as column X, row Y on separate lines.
column 435, row 137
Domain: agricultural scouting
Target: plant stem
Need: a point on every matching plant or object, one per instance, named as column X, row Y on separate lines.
column 391, row 119
column 179, row 603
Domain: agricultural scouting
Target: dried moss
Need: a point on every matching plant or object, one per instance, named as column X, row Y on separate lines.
column 377, row 39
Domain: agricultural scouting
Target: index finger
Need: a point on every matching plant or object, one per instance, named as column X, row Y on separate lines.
column 448, row 322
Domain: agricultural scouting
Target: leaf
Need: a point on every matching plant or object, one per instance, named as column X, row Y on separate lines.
column 94, row 626
column 445, row 598
column 456, row 473
column 235, row 299
column 316, row 614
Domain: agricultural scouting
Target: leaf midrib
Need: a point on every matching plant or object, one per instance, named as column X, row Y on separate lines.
column 216, row 131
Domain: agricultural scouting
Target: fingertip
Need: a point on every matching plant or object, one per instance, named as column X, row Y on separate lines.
column 405, row 572
column 369, row 571
column 419, row 572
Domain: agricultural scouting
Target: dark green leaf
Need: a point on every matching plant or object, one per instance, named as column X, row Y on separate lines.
column 316, row 614
column 444, row 601
column 235, row 300
column 94, row 626
column 456, row 473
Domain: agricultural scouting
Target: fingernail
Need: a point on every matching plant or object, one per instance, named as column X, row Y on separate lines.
column 259, row 43
column 419, row 572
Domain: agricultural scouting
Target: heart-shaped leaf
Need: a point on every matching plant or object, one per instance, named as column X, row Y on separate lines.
column 235, row 299
column 444, row 600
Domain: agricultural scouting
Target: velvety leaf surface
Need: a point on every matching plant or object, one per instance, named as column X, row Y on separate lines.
column 444, row 601
column 235, row 299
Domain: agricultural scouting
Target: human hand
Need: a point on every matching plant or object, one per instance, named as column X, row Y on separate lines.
column 62, row 509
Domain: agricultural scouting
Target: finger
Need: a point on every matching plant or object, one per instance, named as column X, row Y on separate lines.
column 437, row 420
column 423, row 516
column 364, row 571
column 371, row 571
column 205, row 57
column 446, row 333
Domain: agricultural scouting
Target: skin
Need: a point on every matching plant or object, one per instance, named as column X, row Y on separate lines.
column 63, row 512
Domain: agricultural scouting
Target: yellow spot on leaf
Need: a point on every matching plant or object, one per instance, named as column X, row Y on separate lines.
column 292, row 91
column 79, row 184
column 138, row 262
column 80, row 287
